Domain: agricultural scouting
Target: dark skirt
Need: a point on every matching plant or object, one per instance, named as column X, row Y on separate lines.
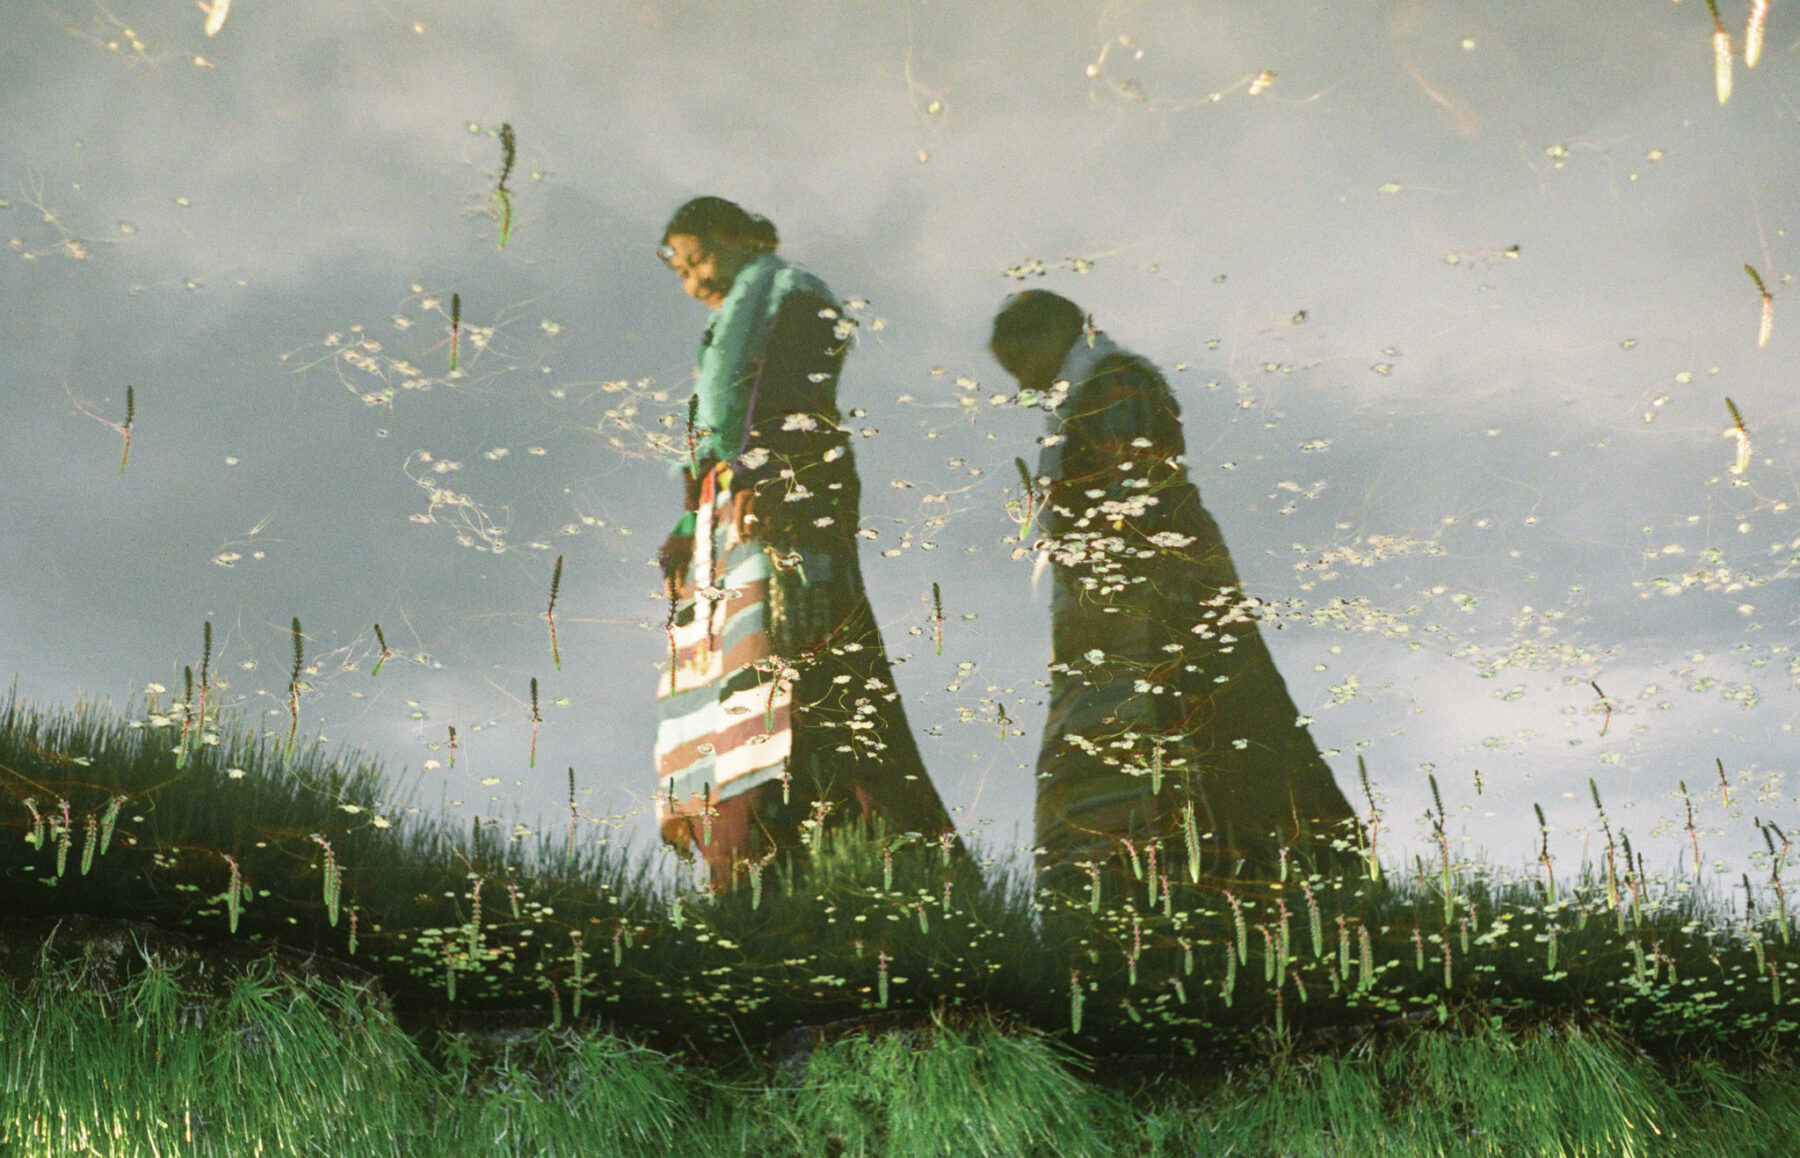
column 1167, row 714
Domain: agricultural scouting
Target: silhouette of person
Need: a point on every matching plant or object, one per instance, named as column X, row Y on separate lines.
column 778, row 713
column 1163, row 696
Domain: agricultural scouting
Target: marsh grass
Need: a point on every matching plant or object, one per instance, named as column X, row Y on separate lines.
column 456, row 920
column 262, row 1062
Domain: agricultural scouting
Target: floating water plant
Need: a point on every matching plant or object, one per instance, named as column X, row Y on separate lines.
column 109, row 820
column 64, row 835
column 125, row 429
column 574, row 815
column 381, row 642
column 231, row 893
column 1768, row 299
column 455, row 328
column 1192, row 836
column 1027, row 498
column 1312, row 914
column 1737, row 431
column 216, row 12
column 205, row 676
column 508, row 149
column 88, row 846
column 1693, row 833
column 1437, row 826
column 331, row 882
column 937, row 619
column 1721, row 54
column 675, row 654
column 1544, row 857
column 693, row 435
column 1237, row 921
column 294, row 686
column 536, row 719
column 1776, row 861
column 1368, row 853
column 475, row 917
column 550, row 612
column 36, row 836
column 187, row 716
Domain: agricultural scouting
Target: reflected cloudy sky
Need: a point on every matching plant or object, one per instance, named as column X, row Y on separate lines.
column 1452, row 298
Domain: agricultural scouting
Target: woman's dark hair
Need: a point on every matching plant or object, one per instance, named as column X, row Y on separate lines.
column 715, row 220
column 1028, row 316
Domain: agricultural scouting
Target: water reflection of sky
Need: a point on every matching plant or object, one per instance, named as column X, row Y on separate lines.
column 1498, row 457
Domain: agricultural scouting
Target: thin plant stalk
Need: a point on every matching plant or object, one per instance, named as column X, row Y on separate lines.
column 508, row 151
column 294, row 685
column 1721, row 54
column 125, row 428
column 455, row 328
column 536, row 719
column 550, row 612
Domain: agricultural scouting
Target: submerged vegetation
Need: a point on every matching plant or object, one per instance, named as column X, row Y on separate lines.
column 220, row 834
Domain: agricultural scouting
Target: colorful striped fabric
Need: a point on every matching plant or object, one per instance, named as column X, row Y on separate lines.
column 725, row 706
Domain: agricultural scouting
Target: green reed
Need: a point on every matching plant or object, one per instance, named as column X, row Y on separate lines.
column 455, row 328
column 550, row 612
column 294, row 685
column 125, row 427
column 508, row 153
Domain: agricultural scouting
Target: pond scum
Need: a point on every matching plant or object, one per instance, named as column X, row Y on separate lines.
column 1158, row 1012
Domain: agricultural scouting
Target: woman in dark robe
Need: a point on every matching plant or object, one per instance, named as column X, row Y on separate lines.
column 778, row 714
column 1164, row 701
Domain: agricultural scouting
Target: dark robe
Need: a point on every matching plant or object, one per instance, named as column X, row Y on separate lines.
column 1159, row 662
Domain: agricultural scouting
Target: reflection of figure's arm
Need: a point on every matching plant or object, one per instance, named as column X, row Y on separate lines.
column 796, row 453
column 678, row 549
column 793, row 409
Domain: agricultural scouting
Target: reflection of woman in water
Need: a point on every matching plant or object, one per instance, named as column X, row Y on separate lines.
column 780, row 708
column 1159, row 672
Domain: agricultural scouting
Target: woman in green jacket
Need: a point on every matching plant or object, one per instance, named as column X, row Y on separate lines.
column 778, row 714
